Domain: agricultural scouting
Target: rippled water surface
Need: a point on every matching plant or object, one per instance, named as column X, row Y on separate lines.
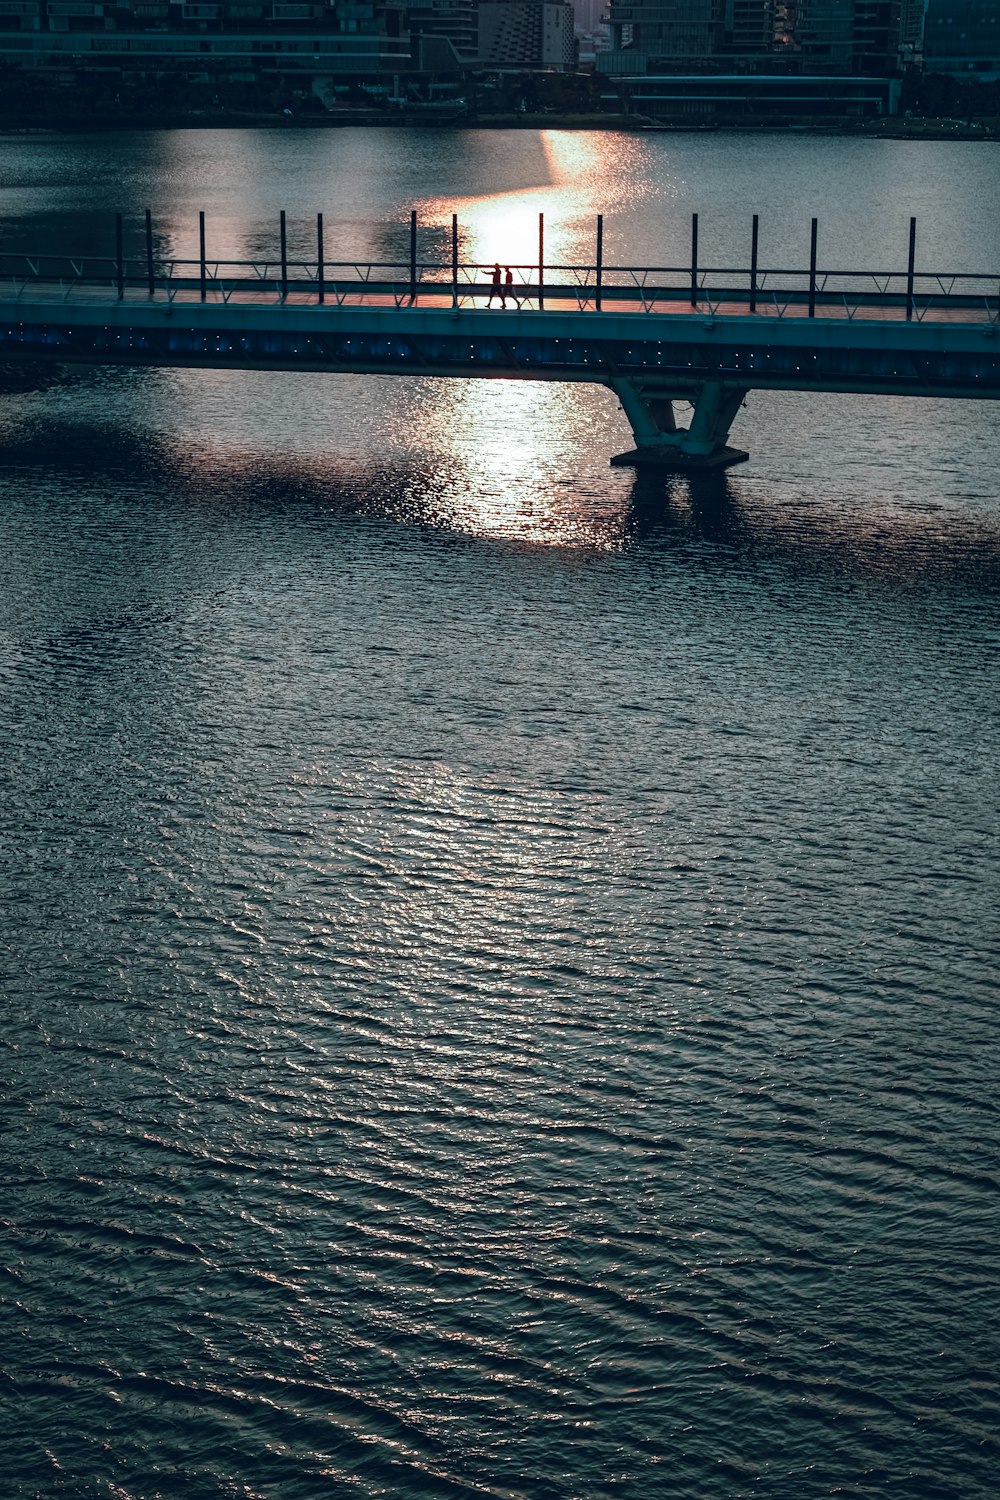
column 499, row 955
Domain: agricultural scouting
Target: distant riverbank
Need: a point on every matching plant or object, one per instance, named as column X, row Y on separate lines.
column 74, row 119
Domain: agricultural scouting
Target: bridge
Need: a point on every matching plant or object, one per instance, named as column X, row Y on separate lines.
column 658, row 337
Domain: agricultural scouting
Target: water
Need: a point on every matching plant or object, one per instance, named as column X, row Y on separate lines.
column 499, row 955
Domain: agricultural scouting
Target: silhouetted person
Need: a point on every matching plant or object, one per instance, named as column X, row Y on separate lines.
column 508, row 283
column 496, row 286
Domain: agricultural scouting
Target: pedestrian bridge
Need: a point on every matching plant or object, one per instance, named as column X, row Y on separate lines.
column 656, row 336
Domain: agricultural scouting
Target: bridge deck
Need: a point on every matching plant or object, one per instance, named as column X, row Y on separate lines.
column 658, row 336
column 439, row 296
column 653, row 345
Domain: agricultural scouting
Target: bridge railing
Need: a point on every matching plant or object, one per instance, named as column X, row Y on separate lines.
column 773, row 291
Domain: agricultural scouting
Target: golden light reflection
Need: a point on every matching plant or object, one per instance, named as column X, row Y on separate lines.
column 512, row 456
column 578, row 157
column 499, row 459
column 508, row 460
column 570, row 176
column 504, row 226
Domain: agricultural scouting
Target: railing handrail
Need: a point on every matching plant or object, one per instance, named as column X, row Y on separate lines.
column 268, row 268
column 696, row 282
column 763, row 290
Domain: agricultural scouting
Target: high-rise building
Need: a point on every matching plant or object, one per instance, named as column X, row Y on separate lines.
column 962, row 37
column 444, row 33
column 819, row 34
column 220, row 40
column 876, row 36
column 589, row 15
column 911, row 25
column 807, row 36
column 674, row 34
column 521, row 34
column 748, row 27
column 767, row 57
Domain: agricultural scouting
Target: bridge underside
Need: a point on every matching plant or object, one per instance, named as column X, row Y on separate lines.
column 650, row 363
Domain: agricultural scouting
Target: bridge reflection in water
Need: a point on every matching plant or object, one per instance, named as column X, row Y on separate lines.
column 655, row 335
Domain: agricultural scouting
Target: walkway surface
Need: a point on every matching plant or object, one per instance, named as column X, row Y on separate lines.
column 439, row 296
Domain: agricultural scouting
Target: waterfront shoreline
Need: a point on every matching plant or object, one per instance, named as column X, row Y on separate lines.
column 73, row 124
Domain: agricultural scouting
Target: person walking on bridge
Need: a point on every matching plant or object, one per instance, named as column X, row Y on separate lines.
column 508, row 286
column 496, row 287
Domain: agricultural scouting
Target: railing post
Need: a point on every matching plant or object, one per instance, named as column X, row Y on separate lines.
column 150, row 275
column 454, row 260
column 320, row 259
column 813, row 236
column 754, row 238
column 203, row 272
column 694, row 260
column 119, row 258
column 413, row 255
column 600, row 260
column 284, row 256
column 910, row 264
column 541, row 261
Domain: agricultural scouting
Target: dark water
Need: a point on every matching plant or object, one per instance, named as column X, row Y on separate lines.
column 499, row 956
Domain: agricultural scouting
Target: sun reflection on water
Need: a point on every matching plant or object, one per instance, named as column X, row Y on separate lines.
column 491, row 458
column 513, row 452
column 506, row 460
column 504, row 226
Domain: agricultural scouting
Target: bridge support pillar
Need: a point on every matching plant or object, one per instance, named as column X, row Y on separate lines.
column 659, row 440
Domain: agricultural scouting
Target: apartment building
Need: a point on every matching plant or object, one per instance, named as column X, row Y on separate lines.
column 962, row 37
column 525, row 34
column 304, row 43
column 841, row 37
column 226, row 40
